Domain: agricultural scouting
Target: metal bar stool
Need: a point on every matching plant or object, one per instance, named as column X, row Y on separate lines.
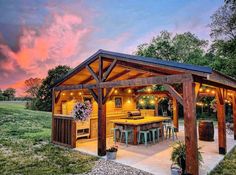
column 125, row 132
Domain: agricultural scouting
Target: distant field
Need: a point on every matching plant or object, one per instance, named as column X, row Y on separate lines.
column 25, row 144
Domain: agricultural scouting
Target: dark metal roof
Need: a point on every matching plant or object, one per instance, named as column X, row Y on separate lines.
column 140, row 59
column 158, row 61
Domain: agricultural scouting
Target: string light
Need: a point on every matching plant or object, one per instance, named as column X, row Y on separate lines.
column 141, row 102
column 80, row 93
column 116, row 91
column 63, row 94
column 129, row 90
column 200, row 89
column 152, row 102
column 128, row 101
column 213, row 92
column 208, row 90
column 149, row 89
column 71, row 93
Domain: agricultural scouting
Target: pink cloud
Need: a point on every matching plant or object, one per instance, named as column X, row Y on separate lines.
column 59, row 41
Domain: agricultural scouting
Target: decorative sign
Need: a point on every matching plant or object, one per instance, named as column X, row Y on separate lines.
column 118, row 102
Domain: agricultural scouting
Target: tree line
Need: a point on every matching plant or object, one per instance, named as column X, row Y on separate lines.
column 7, row 94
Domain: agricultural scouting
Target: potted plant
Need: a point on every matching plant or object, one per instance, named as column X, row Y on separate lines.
column 178, row 155
column 111, row 152
column 82, row 111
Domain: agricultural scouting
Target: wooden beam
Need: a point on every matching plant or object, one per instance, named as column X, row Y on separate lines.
column 234, row 113
column 109, row 70
column 190, row 128
column 101, row 124
column 92, row 73
column 108, row 94
column 174, row 93
column 175, row 114
column 100, row 74
column 197, row 88
column 137, row 75
column 53, row 123
column 58, row 97
column 139, row 67
column 167, row 79
column 221, row 121
column 160, row 80
column 94, row 95
column 91, row 77
column 119, row 75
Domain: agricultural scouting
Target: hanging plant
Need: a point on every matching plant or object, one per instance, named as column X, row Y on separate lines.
column 82, row 111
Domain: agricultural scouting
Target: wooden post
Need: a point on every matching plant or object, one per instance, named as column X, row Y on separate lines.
column 190, row 128
column 175, row 114
column 221, row 121
column 53, row 105
column 156, row 108
column 234, row 113
column 73, row 134
column 101, row 115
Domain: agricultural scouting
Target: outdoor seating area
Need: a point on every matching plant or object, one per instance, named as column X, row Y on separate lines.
column 112, row 89
column 155, row 158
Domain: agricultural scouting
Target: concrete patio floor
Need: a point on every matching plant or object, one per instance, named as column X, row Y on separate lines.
column 155, row 158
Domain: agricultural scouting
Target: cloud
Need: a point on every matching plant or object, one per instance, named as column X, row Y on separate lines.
column 59, row 41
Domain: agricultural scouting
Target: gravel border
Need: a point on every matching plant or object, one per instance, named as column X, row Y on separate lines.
column 106, row 167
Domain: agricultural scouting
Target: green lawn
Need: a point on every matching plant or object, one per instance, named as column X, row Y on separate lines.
column 25, row 145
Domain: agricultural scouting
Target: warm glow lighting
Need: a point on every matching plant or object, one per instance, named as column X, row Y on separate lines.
column 141, row 101
column 213, row 92
column 152, row 102
column 63, row 94
column 116, row 91
column 208, row 90
column 149, row 89
column 200, row 89
column 129, row 90
column 80, row 93
column 71, row 93
column 155, row 98
column 128, row 101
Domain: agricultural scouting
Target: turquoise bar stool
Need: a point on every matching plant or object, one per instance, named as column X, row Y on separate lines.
column 145, row 134
column 171, row 130
column 114, row 130
column 125, row 132
column 153, row 132
column 160, row 130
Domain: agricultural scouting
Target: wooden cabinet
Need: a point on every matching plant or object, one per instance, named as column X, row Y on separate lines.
column 83, row 129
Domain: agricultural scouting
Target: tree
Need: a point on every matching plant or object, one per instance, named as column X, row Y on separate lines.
column 44, row 96
column 32, row 86
column 1, row 95
column 223, row 31
column 9, row 93
column 185, row 47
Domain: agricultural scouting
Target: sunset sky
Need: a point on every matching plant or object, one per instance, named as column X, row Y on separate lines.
column 36, row 35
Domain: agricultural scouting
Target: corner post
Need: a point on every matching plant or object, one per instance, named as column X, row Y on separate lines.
column 53, row 104
column 101, row 115
column 175, row 114
column 234, row 113
column 221, row 121
column 190, row 125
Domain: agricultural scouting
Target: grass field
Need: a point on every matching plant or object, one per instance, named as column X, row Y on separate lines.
column 25, row 145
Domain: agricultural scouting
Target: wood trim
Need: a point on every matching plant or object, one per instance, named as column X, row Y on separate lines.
column 174, row 93
column 220, row 95
column 57, row 98
column 190, row 128
column 53, row 124
column 109, row 70
column 100, row 74
column 197, row 88
column 92, row 73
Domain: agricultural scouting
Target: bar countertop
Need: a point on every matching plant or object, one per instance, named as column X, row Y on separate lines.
column 145, row 120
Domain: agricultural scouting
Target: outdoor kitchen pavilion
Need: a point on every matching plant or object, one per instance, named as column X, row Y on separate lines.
column 104, row 71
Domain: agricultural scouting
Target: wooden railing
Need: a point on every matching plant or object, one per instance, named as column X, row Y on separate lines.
column 64, row 131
